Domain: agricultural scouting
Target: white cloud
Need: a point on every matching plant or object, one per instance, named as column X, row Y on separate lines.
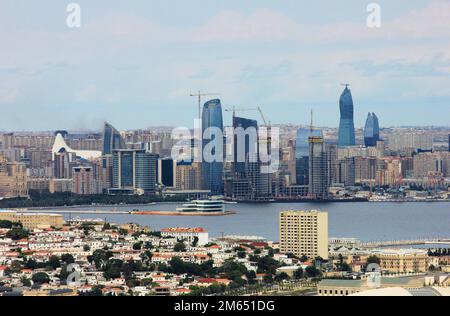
column 9, row 96
column 88, row 93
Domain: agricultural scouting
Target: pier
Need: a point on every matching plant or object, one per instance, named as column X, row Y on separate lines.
column 412, row 242
column 93, row 212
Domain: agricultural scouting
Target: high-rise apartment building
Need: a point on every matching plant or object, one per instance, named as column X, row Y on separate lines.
column 302, row 153
column 345, row 172
column 167, row 172
column 84, row 182
column 13, row 179
column 304, row 233
column 188, row 176
column 346, row 124
column 405, row 140
column 63, row 161
column 431, row 164
column 319, row 169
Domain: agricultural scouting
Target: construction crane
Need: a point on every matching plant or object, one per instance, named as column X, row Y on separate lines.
column 234, row 110
column 199, row 95
column 266, row 123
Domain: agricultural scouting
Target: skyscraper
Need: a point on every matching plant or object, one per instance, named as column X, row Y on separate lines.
column 112, row 140
column 319, row 168
column 346, row 125
column 246, row 173
column 302, row 153
column 244, row 145
column 371, row 131
column 134, row 170
column 167, row 172
column 212, row 171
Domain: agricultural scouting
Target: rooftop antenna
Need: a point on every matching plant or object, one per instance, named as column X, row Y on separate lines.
column 346, row 85
column 311, row 125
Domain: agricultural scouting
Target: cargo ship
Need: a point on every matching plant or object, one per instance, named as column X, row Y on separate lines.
column 194, row 208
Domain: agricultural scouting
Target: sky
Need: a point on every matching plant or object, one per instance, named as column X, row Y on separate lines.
column 134, row 63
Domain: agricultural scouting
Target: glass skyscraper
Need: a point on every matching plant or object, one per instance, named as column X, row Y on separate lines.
column 371, row 131
column 346, row 125
column 319, row 169
column 134, row 170
column 302, row 153
column 112, row 140
column 212, row 171
column 248, row 146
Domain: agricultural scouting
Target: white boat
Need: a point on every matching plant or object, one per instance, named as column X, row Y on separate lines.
column 205, row 206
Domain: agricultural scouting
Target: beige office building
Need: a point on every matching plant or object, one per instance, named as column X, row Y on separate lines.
column 402, row 260
column 33, row 220
column 304, row 233
column 13, row 179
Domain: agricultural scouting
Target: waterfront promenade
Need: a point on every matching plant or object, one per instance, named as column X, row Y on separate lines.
column 412, row 242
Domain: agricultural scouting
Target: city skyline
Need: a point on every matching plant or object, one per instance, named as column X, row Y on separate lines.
column 139, row 58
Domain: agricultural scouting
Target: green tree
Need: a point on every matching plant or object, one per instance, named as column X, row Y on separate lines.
column 6, row 224
column 67, row 258
column 241, row 254
column 298, row 274
column 99, row 257
column 312, row 272
column 281, row 277
column 179, row 247
column 267, row 264
column 25, row 281
column 17, row 233
column 303, row 258
column 16, row 266
column 53, row 262
column 40, row 278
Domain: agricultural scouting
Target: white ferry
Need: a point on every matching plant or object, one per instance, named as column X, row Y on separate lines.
column 202, row 206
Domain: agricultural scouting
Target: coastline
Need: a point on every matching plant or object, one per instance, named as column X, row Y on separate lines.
column 280, row 201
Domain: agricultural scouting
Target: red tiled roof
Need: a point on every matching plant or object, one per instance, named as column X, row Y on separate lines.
column 183, row 230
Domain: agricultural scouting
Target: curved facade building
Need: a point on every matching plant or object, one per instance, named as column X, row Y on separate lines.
column 371, row 131
column 346, row 125
column 112, row 140
column 212, row 171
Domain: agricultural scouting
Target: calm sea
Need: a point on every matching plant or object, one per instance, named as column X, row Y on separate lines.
column 367, row 221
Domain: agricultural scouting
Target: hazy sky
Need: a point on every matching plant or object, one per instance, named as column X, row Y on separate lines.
column 135, row 62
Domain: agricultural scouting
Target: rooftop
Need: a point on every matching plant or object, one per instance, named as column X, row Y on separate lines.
column 183, row 230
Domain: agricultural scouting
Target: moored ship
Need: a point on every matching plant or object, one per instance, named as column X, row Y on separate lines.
column 194, row 208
